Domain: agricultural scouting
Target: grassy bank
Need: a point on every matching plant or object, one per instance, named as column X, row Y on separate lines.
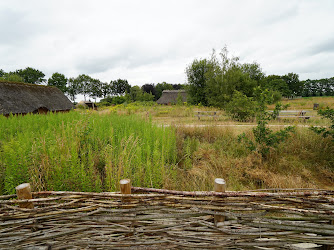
column 84, row 152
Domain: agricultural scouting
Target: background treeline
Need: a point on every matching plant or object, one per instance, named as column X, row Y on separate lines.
column 213, row 81
column 218, row 80
column 114, row 92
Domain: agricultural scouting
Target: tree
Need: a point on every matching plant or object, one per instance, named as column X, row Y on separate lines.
column 31, row 75
column 253, row 70
column 149, row 88
column 196, row 75
column 161, row 87
column 226, row 75
column 292, row 80
column 58, row 80
column 135, row 93
column 276, row 83
column 83, row 84
column 106, row 89
column 95, row 88
column 11, row 77
column 120, row 87
column 2, row 72
column 73, row 88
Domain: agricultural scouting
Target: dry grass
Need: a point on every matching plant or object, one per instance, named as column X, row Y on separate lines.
column 304, row 161
column 306, row 103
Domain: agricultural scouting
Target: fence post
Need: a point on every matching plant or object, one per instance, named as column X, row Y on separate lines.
column 125, row 187
column 23, row 192
column 219, row 186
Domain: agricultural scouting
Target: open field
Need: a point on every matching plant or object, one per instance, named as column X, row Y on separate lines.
column 157, row 146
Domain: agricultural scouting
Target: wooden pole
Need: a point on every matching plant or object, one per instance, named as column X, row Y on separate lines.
column 125, row 187
column 23, row 192
column 219, row 186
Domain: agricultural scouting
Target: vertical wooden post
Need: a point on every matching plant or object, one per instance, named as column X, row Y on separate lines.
column 23, row 192
column 125, row 187
column 219, row 186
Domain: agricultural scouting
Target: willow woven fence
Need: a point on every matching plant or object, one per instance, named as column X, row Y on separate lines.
column 155, row 219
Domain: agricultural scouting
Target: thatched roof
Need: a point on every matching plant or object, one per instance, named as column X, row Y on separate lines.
column 170, row 96
column 22, row 98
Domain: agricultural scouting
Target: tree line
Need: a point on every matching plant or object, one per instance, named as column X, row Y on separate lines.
column 114, row 92
column 217, row 80
column 213, row 81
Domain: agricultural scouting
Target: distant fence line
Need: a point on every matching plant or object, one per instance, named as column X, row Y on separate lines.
column 292, row 97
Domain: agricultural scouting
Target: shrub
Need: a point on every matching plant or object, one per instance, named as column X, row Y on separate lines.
column 329, row 114
column 241, row 107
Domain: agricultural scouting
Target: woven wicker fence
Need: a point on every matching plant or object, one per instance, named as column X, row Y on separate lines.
column 155, row 219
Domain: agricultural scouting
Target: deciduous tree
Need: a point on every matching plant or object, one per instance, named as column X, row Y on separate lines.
column 31, row 75
column 58, row 80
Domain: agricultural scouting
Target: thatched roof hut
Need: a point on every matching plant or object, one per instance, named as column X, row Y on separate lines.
column 22, row 98
column 170, row 96
column 87, row 104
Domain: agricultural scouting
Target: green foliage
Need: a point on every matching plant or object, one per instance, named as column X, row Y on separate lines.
column 161, row 87
column 264, row 138
column 137, row 94
column 241, row 107
column 83, row 152
column 329, row 114
column 58, row 80
column 196, row 74
column 112, row 100
column 292, row 80
column 322, row 87
column 120, row 87
column 213, row 81
column 73, row 88
column 11, row 77
column 179, row 100
column 276, row 83
column 31, row 75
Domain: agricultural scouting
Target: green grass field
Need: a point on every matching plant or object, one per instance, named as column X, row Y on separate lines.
column 84, row 151
column 157, row 146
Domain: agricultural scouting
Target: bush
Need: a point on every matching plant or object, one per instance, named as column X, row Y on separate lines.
column 241, row 107
column 329, row 114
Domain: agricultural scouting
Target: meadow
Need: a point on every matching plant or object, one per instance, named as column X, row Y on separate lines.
column 84, row 151
column 158, row 146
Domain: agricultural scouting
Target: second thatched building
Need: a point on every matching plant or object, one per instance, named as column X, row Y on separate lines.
column 169, row 97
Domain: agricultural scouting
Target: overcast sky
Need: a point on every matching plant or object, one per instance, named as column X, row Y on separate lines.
column 154, row 41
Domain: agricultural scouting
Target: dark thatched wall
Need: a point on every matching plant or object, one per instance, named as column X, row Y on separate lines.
column 170, row 96
column 22, row 98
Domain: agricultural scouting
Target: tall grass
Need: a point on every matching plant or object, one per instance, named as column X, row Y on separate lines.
column 84, row 152
column 304, row 160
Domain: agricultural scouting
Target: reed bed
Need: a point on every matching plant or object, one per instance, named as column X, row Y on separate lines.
column 156, row 218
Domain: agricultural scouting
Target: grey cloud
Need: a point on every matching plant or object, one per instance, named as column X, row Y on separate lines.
column 322, row 47
column 17, row 27
column 130, row 56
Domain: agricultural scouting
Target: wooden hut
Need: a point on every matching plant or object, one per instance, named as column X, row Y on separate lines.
column 23, row 98
column 169, row 97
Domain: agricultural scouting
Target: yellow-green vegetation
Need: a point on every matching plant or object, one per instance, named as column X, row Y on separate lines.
column 157, row 146
column 84, row 151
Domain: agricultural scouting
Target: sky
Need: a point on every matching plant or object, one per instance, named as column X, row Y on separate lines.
column 154, row 41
